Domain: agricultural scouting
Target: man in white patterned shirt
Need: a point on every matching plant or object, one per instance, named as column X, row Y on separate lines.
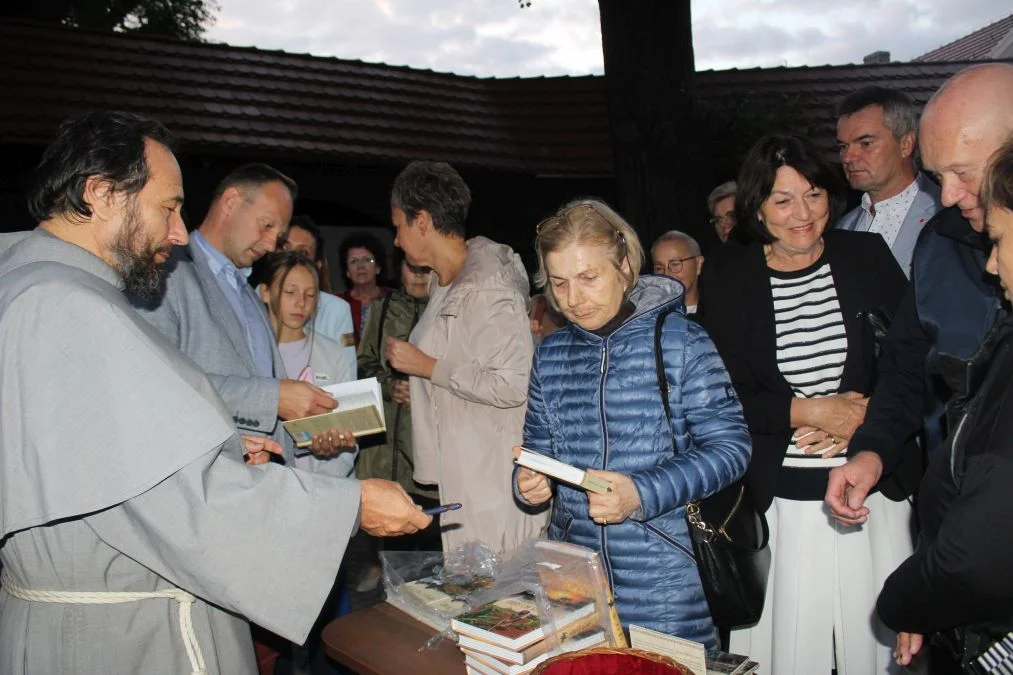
column 876, row 136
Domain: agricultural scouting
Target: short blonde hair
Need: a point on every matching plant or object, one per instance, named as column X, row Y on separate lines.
column 588, row 221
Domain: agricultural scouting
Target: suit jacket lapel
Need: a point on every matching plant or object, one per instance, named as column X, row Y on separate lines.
column 848, row 289
column 276, row 363
column 849, row 221
column 220, row 306
column 921, row 211
column 762, row 337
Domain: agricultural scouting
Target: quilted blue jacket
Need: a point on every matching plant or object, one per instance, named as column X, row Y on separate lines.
column 594, row 402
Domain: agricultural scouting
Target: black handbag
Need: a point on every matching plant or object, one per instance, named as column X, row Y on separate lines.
column 982, row 649
column 729, row 534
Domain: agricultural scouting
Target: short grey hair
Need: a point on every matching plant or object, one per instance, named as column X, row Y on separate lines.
column 900, row 115
column 722, row 191
column 676, row 235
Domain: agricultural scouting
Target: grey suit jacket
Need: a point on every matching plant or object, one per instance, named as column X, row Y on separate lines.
column 196, row 317
column 926, row 204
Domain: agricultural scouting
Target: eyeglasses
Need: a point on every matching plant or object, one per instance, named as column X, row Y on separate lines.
column 364, row 260
column 673, row 266
column 723, row 218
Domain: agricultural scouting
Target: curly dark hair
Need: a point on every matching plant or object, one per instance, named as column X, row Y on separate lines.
column 100, row 143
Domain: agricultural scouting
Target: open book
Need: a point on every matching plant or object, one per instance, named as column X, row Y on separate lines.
column 562, row 471
column 360, row 409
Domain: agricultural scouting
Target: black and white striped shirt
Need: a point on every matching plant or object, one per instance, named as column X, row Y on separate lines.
column 811, row 341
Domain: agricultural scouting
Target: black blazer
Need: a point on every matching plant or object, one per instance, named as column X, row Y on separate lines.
column 738, row 311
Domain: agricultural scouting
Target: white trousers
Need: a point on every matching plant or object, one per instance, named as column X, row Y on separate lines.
column 820, row 610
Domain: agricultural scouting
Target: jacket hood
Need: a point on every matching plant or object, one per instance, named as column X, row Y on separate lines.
column 654, row 291
column 492, row 265
column 40, row 245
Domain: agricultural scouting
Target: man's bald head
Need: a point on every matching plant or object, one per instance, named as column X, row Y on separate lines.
column 962, row 125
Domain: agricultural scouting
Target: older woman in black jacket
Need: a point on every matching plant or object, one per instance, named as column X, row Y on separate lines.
column 958, row 586
column 785, row 315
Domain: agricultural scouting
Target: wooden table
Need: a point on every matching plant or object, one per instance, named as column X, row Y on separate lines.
column 381, row 640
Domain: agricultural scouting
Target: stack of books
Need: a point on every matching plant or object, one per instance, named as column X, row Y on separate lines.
column 507, row 636
column 721, row 663
column 434, row 599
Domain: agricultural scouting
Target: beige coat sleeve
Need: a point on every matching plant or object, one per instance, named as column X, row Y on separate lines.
column 489, row 356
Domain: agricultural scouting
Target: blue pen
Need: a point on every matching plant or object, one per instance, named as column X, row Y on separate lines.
column 442, row 508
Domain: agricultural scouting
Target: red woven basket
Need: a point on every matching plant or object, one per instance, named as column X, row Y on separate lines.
column 611, row 661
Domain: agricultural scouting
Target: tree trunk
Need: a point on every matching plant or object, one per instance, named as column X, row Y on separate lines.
column 649, row 67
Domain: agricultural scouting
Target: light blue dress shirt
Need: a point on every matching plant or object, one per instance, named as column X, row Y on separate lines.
column 234, row 285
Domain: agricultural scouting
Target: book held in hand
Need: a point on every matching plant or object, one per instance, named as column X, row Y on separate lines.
column 360, row 409
column 561, row 471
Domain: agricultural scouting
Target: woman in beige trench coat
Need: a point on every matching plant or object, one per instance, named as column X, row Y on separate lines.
column 469, row 358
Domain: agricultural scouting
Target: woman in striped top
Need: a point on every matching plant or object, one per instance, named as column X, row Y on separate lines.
column 785, row 315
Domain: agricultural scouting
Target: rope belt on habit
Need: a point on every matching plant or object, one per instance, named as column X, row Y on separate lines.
column 184, row 599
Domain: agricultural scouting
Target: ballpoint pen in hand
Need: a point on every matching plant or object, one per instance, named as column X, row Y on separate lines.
column 442, row 508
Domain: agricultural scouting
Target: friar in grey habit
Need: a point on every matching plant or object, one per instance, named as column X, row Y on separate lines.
column 135, row 537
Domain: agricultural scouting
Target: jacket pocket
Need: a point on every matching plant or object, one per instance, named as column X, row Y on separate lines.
column 668, row 539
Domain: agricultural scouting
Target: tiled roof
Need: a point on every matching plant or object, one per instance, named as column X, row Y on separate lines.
column 220, row 99
column 217, row 96
column 977, row 46
column 814, row 91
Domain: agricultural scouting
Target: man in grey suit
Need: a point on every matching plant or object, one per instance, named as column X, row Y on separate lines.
column 876, row 136
column 211, row 314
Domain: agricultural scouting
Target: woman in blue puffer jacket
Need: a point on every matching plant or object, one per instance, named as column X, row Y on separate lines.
column 594, row 402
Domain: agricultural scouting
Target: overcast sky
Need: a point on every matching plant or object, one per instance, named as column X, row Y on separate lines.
column 562, row 37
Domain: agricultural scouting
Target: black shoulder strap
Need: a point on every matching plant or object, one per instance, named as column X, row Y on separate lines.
column 659, row 362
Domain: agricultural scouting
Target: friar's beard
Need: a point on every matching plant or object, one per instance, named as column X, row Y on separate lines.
column 135, row 257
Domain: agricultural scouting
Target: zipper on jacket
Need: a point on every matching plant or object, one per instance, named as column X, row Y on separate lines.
column 605, row 458
column 670, row 540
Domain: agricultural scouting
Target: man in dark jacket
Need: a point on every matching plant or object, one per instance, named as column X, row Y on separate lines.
column 949, row 305
column 956, row 587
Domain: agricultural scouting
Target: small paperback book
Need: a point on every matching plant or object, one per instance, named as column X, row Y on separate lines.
column 360, row 409
column 687, row 653
column 513, row 622
column 561, row 471
column 585, row 628
column 723, row 663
